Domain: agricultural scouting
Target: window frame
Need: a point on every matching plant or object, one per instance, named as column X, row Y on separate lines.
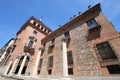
column 40, row 63
column 104, row 50
column 70, row 58
column 90, row 26
column 50, row 61
column 67, row 35
column 32, row 43
column 35, row 32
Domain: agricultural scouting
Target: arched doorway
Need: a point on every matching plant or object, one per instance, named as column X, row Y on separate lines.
column 25, row 66
column 19, row 64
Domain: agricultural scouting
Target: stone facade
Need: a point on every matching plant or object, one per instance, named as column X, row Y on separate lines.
column 50, row 50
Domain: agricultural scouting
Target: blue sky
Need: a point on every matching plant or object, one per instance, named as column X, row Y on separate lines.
column 14, row 13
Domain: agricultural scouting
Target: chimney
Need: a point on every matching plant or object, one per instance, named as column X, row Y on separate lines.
column 70, row 18
column 59, row 25
column 89, row 6
column 74, row 16
column 79, row 13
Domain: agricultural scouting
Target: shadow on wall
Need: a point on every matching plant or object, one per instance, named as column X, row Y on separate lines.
column 94, row 33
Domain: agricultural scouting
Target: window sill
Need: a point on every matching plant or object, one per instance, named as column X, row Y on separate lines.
column 109, row 62
column 115, row 75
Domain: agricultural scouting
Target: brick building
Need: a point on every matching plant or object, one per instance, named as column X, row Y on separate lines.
column 87, row 45
column 5, row 51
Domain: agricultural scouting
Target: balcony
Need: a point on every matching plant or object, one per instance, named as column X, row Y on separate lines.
column 11, row 48
column 29, row 49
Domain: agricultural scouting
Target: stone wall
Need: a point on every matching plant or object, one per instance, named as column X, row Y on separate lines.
column 58, row 62
column 57, row 58
column 45, row 60
column 84, row 60
column 87, row 64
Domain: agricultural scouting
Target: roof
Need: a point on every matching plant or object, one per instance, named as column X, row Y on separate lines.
column 67, row 25
column 28, row 23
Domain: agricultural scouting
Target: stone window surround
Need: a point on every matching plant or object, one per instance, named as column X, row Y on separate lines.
column 105, row 63
column 33, row 39
column 106, row 46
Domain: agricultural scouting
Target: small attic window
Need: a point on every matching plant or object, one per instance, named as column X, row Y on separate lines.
column 34, row 32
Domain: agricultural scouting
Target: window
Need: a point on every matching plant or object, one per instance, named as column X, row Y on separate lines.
column 92, row 23
column 50, row 62
column 42, row 53
column 40, row 63
column 43, row 47
column 51, row 46
column 50, row 65
column 106, row 51
column 50, row 49
column 50, row 72
column 53, row 41
column 31, row 42
column 38, row 71
column 114, row 69
column 67, row 35
column 34, row 32
column 70, row 71
column 70, row 58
